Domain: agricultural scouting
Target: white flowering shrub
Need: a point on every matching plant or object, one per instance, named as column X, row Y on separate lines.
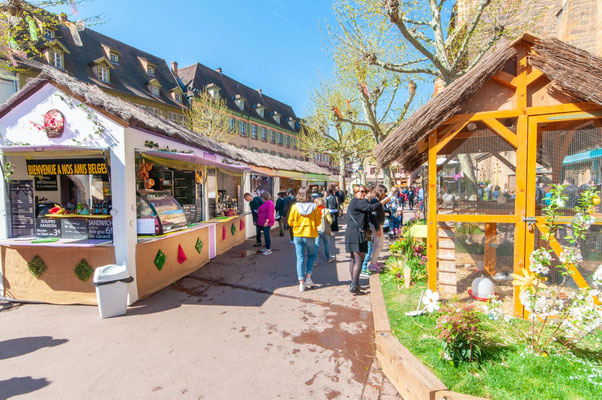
column 557, row 313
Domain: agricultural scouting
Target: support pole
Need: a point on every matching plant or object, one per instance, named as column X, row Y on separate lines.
column 432, row 231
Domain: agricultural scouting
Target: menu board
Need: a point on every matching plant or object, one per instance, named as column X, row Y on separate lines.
column 48, row 227
column 100, row 228
column 190, row 210
column 74, row 228
column 184, row 187
column 21, row 208
column 46, row 183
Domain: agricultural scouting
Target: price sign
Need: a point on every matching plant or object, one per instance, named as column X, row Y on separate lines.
column 100, row 228
column 48, row 227
column 74, row 228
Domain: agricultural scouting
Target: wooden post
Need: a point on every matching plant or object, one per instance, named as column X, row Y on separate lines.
column 520, row 206
column 490, row 251
column 431, row 250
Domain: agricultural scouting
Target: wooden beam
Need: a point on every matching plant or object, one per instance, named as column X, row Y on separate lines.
column 444, row 163
column 505, row 79
column 562, row 108
column 533, row 76
column 504, row 161
column 521, row 83
column 477, row 218
column 499, row 128
column 452, row 132
column 520, row 207
column 571, row 116
column 432, row 228
column 490, row 251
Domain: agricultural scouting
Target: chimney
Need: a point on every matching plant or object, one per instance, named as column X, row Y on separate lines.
column 219, row 69
column 174, row 68
column 260, row 93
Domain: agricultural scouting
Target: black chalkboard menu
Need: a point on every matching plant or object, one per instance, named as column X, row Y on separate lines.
column 100, row 228
column 184, row 187
column 48, row 227
column 74, row 228
column 46, row 183
column 21, row 208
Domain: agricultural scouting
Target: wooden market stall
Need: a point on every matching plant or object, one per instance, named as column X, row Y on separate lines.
column 526, row 117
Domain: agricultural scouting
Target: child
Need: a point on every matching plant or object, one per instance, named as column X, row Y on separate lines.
column 265, row 220
column 324, row 230
column 396, row 222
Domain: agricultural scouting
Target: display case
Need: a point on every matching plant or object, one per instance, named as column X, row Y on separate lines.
column 159, row 213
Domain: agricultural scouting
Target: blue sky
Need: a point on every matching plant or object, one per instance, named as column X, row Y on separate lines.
column 274, row 45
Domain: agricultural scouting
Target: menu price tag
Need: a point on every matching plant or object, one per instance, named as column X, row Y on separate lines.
column 100, row 228
column 74, row 228
column 48, row 227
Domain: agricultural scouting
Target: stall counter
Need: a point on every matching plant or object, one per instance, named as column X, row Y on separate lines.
column 229, row 232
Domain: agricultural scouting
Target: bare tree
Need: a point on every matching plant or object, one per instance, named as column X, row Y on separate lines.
column 209, row 115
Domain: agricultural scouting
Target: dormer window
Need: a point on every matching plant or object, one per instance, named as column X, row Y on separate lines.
column 260, row 109
column 101, row 68
column 103, row 74
column 56, row 59
column 154, row 90
column 213, row 90
column 114, row 57
column 276, row 116
column 178, row 97
column 48, row 34
column 240, row 102
column 150, row 69
column 291, row 122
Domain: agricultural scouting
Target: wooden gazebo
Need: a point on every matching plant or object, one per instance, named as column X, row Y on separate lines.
column 528, row 115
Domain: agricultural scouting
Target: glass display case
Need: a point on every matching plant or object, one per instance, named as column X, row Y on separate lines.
column 159, row 213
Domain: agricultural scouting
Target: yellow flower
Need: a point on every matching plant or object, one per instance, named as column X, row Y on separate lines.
column 526, row 280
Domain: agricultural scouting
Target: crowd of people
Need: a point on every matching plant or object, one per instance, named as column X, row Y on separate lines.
column 311, row 217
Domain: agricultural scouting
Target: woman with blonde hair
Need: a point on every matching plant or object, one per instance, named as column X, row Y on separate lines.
column 357, row 232
column 304, row 219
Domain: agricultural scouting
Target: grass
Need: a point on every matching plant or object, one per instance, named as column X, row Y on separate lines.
column 508, row 372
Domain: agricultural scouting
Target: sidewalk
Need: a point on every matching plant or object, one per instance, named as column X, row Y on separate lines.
column 236, row 328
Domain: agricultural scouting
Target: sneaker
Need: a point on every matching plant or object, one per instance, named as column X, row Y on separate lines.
column 364, row 274
column 257, row 245
column 302, row 286
column 267, row 252
column 332, row 259
column 309, row 283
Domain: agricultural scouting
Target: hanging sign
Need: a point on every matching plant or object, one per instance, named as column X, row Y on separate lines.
column 84, row 166
column 46, row 183
column 54, row 123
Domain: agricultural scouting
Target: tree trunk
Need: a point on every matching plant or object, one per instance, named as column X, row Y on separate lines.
column 388, row 179
column 342, row 174
column 470, row 180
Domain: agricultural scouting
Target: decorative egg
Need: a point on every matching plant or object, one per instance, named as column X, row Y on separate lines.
column 475, row 285
column 485, row 288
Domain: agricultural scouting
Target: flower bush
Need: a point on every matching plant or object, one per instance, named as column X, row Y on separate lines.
column 459, row 328
column 406, row 252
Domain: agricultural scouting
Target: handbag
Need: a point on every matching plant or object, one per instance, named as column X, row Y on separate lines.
column 365, row 235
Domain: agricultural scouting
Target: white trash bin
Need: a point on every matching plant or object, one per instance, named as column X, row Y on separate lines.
column 111, row 282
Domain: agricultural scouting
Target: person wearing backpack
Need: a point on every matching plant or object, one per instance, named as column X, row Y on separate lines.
column 324, row 230
column 332, row 205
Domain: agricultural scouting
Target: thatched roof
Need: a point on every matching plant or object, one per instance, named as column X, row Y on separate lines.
column 574, row 72
column 141, row 118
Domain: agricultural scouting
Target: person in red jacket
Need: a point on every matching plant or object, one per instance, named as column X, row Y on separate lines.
column 265, row 220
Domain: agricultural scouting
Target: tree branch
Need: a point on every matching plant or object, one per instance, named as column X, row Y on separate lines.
column 390, row 103
column 414, row 21
column 464, row 46
column 401, row 67
column 405, row 108
column 484, row 50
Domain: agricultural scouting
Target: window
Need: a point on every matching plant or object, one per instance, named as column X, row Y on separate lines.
column 103, row 74
column 172, row 116
column 294, row 143
column 182, row 119
column 150, row 69
column 48, row 33
column 114, row 57
column 254, row 131
column 264, row 135
column 154, row 90
column 231, row 124
column 288, row 141
column 272, row 136
column 178, row 97
column 56, row 59
column 243, row 128
column 280, row 138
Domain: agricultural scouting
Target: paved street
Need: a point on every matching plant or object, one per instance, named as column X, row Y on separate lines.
column 236, row 328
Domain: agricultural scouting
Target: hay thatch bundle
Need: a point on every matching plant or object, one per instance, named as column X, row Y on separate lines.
column 573, row 72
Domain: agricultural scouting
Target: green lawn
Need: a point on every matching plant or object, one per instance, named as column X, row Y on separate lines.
column 508, row 371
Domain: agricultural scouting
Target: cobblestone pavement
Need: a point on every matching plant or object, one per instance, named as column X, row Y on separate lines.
column 236, row 328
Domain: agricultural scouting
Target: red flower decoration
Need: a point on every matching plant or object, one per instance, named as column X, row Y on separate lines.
column 54, row 123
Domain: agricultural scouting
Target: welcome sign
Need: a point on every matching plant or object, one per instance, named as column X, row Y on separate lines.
column 84, row 166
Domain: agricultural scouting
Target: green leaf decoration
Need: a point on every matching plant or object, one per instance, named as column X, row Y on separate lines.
column 83, row 270
column 233, row 229
column 199, row 245
column 37, row 267
column 160, row 260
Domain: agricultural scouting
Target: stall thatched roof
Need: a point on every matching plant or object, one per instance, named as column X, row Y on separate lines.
column 138, row 117
column 573, row 72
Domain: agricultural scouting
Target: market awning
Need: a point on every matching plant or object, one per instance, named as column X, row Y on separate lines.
column 56, row 150
column 192, row 161
column 582, row 157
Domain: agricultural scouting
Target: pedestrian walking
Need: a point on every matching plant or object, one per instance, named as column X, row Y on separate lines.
column 411, row 195
column 291, row 199
column 377, row 222
column 324, row 230
column 356, row 236
column 265, row 219
column 403, row 198
column 304, row 219
column 282, row 208
column 332, row 204
column 254, row 203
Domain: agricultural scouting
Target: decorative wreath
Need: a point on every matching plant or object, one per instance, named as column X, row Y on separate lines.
column 54, row 123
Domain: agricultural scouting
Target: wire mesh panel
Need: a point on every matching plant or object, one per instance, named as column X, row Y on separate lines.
column 569, row 156
column 476, row 174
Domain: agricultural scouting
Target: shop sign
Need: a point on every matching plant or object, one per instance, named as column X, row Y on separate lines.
column 46, row 183
column 74, row 228
column 48, row 227
column 100, row 228
column 84, row 166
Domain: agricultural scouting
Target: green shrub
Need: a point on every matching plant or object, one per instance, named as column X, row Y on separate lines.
column 460, row 330
column 83, row 270
column 37, row 266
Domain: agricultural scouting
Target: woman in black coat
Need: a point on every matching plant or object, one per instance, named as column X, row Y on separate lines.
column 355, row 241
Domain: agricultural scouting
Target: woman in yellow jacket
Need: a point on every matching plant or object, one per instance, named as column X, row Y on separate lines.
column 304, row 219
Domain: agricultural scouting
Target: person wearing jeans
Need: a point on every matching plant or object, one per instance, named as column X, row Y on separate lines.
column 324, row 230
column 254, row 203
column 265, row 220
column 304, row 219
